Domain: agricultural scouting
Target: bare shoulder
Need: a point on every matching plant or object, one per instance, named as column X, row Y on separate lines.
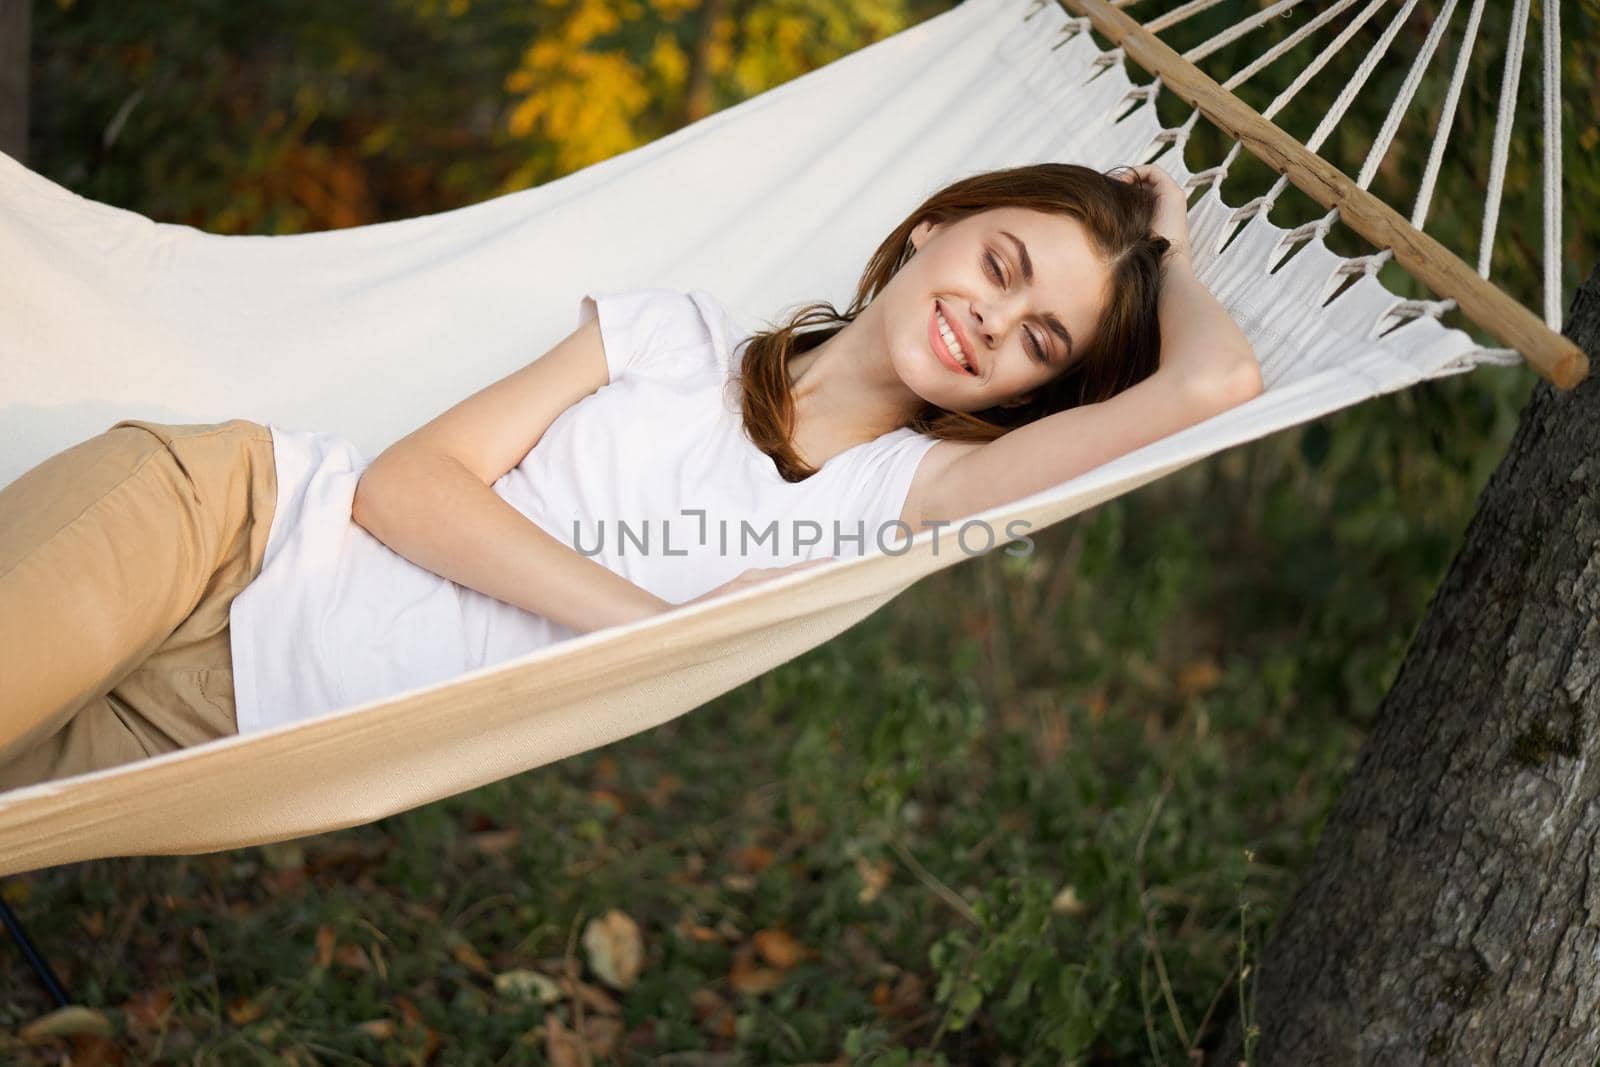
column 931, row 469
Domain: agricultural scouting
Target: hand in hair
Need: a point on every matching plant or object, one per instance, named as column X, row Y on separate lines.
column 1172, row 206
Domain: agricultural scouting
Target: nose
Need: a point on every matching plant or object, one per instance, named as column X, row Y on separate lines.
column 993, row 325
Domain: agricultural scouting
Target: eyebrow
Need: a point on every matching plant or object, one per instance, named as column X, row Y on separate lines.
column 1027, row 275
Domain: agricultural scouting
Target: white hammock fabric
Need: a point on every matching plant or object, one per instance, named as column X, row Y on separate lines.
column 370, row 332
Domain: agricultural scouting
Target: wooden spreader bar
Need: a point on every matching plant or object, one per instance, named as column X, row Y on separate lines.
column 1553, row 356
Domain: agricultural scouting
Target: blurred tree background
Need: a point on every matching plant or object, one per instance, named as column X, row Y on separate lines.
column 1039, row 809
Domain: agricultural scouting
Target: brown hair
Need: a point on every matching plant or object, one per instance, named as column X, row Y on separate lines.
column 1125, row 347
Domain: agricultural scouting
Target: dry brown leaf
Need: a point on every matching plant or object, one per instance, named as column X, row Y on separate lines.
column 738, row 883
column 779, row 948
column 493, row 842
column 693, row 931
column 562, row 1047
column 409, row 1012
column 354, row 957
column 712, row 1012
column 602, row 1032
column 463, row 953
column 326, row 940
column 705, row 1001
column 66, row 1022
column 753, row 859
column 594, row 998
column 148, row 1008
column 614, row 948
column 244, row 1010
column 874, row 878
column 745, row 975
column 92, row 1050
column 1198, row 676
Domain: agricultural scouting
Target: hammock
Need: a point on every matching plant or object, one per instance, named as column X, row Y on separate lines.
column 107, row 315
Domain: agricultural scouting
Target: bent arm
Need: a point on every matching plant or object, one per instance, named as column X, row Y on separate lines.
column 430, row 496
column 1207, row 366
column 436, row 513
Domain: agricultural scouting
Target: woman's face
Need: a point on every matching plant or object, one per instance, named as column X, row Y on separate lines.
column 1015, row 332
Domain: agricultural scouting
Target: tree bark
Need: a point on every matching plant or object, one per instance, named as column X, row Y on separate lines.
column 697, row 100
column 14, row 36
column 1451, row 912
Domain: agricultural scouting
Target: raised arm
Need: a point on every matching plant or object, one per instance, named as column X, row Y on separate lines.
column 1207, row 366
column 429, row 497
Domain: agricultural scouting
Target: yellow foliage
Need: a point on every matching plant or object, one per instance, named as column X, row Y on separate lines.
column 672, row 9
column 669, row 62
column 582, row 100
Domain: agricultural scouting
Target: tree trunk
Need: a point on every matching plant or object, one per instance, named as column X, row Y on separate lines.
column 1451, row 913
column 14, row 36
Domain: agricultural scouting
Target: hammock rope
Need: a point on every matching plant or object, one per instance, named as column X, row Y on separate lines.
column 1552, row 164
column 1525, row 334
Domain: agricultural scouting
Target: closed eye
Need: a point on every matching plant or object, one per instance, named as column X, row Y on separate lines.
column 1040, row 352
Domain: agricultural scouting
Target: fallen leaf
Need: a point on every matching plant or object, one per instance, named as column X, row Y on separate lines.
column 1198, row 676
column 408, row 1011
column 354, row 957
column 92, row 1050
column 1066, row 902
column 494, row 842
column 779, row 948
column 527, row 984
column 148, row 1009
column 594, row 998
column 326, row 939
column 244, row 1010
column 874, row 878
column 713, row 1014
column 614, row 948
column 463, row 953
column 562, row 1047
column 745, row 975
column 690, row 930
column 65, row 1022
column 602, row 1032
column 753, row 859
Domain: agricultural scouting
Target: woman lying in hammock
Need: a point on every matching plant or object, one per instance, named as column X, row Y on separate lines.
column 161, row 586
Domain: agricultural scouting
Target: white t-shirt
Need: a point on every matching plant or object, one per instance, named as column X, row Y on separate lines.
column 651, row 475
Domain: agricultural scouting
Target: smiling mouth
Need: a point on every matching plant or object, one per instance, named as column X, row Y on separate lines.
column 945, row 350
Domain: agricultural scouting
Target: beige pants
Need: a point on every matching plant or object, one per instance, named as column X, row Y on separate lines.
column 119, row 558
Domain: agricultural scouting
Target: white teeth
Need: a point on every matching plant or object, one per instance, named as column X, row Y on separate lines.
column 952, row 345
